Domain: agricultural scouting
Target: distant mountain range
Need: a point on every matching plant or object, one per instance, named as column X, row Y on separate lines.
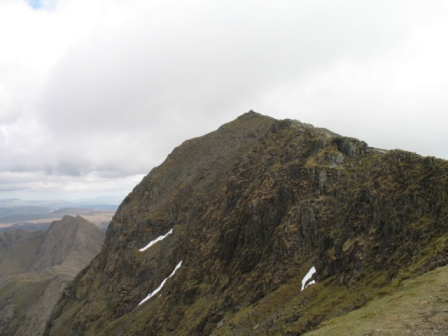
column 37, row 267
column 37, row 215
column 102, row 203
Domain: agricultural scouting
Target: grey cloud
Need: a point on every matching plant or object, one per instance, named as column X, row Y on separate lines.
column 227, row 55
column 164, row 78
column 38, row 185
column 122, row 97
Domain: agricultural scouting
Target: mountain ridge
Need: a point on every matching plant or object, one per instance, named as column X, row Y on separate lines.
column 253, row 207
column 72, row 238
column 36, row 267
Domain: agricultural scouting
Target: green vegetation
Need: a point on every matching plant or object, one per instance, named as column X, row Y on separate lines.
column 416, row 307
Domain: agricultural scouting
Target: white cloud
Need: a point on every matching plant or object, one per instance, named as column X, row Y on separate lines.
column 110, row 87
column 38, row 185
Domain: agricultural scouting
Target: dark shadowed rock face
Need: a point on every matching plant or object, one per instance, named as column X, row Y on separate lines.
column 252, row 207
column 37, row 267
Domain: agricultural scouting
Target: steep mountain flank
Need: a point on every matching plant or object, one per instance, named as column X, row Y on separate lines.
column 36, row 267
column 17, row 249
column 219, row 238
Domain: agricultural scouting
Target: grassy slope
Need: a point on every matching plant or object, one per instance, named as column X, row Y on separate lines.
column 418, row 307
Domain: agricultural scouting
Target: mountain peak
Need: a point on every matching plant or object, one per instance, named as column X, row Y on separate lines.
column 229, row 227
column 69, row 240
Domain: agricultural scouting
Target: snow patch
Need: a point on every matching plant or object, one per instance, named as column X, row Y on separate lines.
column 161, row 285
column 307, row 277
column 156, row 240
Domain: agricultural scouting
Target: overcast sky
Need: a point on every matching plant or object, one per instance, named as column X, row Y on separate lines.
column 95, row 93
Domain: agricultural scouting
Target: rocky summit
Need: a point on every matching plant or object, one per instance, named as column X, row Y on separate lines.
column 263, row 227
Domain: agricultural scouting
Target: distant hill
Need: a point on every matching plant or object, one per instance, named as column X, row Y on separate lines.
column 23, row 209
column 36, row 267
column 56, row 204
column 37, row 215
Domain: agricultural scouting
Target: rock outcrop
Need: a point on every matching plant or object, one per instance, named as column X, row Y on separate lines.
column 253, row 207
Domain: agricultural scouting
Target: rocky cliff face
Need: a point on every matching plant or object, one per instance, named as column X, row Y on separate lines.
column 219, row 238
column 36, row 267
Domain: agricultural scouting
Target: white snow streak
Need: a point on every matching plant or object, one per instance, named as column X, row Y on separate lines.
column 307, row 277
column 155, row 241
column 161, row 285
